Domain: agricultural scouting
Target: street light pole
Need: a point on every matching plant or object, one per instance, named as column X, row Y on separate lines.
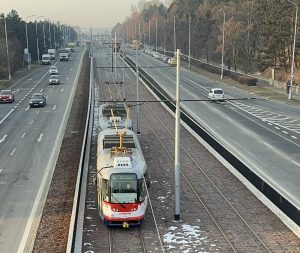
column 44, row 35
column 164, row 36
column 174, row 34
column 222, row 69
column 155, row 35
column 293, row 54
column 8, row 64
column 50, row 33
column 189, row 39
column 54, row 37
column 28, row 60
column 37, row 42
column 177, row 141
column 149, row 32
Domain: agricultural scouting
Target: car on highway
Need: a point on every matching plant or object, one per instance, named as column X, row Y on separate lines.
column 172, row 61
column 53, row 70
column 7, row 96
column 37, row 100
column 54, row 79
column 216, row 94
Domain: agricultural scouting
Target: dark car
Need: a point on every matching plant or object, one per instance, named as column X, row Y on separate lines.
column 7, row 96
column 37, row 100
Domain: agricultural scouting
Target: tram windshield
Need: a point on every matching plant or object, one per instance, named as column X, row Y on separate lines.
column 123, row 188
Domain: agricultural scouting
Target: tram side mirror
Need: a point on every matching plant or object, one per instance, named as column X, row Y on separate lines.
column 148, row 183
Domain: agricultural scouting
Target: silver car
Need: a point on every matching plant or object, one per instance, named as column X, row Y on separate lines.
column 53, row 70
column 54, row 79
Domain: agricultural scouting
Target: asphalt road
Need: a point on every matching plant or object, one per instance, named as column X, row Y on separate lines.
column 264, row 134
column 29, row 145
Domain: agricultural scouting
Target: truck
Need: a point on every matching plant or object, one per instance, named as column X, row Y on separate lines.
column 72, row 45
column 46, row 59
column 51, row 52
column 63, row 55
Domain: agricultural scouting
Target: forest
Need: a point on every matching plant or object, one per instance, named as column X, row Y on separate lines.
column 41, row 35
column 258, row 34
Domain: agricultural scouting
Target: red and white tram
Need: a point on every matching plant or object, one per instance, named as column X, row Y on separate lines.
column 121, row 179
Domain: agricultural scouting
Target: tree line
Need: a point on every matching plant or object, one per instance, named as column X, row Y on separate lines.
column 41, row 36
column 258, row 34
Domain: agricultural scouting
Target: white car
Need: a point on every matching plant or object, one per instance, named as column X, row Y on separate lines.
column 216, row 94
column 54, row 79
column 172, row 61
column 53, row 70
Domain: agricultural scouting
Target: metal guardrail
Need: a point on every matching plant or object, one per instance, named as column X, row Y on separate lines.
column 282, row 203
column 76, row 202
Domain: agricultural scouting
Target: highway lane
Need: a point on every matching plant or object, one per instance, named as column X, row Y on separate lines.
column 27, row 149
column 264, row 134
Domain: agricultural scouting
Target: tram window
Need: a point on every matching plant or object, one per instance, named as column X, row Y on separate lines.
column 105, row 188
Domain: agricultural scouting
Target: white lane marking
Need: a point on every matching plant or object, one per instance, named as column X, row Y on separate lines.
column 13, row 151
column 29, row 79
column 15, row 106
column 6, row 116
column 3, row 138
column 71, row 69
column 67, row 78
column 285, row 132
column 62, row 89
column 277, row 128
column 31, row 122
column 23, row 135
column 41, row 90
column 270, row 124
column 54, row 107
column 27, row 108
column 38, row 112
column 294, row 137
column 296, row 163
column 268, row 145
column 40, row 137
column 1, row 171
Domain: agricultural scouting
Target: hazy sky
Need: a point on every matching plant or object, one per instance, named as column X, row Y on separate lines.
column 85, row 13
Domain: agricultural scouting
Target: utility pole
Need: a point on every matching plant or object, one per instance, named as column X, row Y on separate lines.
column 149, row 32
column 177, row 141
column 50, row 33
column 189, row 40
column 174, row 34
column 155, row 35
column 222, row 69
column 8, row 63
column 137, row 92
column 293, row 54
column 28, row 60
column 37, row 42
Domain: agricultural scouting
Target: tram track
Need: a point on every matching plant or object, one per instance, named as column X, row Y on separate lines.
column 119, row 239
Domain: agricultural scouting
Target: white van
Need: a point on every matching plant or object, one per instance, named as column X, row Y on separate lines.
column 46, row 59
